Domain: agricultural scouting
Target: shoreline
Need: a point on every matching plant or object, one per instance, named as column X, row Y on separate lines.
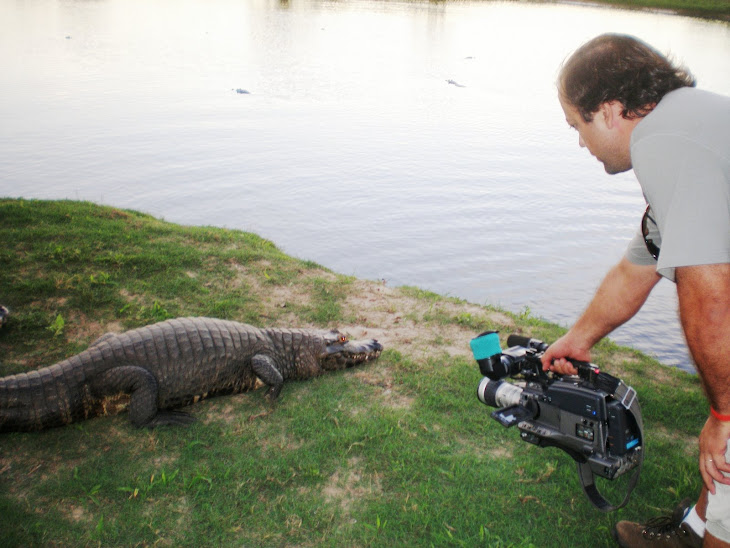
column 720, row 14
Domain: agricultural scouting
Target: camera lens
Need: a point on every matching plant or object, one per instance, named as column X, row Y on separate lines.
column 498, row 393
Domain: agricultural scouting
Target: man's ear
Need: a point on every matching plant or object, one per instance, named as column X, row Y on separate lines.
column 611, row 113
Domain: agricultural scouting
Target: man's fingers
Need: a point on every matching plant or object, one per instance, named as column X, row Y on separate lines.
column 563, row 367
column 711, row 471
column 716, row 467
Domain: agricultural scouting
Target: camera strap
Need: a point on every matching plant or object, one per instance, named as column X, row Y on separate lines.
column 627, row 396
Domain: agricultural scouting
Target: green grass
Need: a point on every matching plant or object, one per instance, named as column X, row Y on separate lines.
column 398, row 453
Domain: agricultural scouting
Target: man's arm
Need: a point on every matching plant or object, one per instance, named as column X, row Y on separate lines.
column 704, row 309
column 619, row 297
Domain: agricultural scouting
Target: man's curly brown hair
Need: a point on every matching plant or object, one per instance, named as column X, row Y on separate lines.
column 617, row 67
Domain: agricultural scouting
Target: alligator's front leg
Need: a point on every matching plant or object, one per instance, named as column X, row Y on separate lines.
column 265, row 369
column 141, row 385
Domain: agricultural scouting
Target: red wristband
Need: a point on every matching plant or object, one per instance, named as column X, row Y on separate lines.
column 718, row 416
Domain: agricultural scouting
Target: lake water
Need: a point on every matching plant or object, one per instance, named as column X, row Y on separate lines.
column 351, row 147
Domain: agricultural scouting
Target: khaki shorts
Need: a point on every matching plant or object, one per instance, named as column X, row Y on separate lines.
column 718, row 508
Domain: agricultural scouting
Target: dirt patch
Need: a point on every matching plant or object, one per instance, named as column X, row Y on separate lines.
column 500, row 452
column 164, row 462
column 478, row 448
column 346, row 486
column 277, row 298
column 389, row 396
column 74, row 513
column 407, row 324
column 223, row 411
column 280, row 443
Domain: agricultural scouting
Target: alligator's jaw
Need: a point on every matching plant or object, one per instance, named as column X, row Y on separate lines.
column 350, row 353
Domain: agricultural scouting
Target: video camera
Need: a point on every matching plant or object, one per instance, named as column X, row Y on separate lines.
column 594, row 417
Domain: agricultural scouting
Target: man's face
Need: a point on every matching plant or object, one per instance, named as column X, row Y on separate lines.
column 602, row 139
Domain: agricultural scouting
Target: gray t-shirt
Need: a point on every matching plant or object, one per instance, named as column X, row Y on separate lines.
column 681, row 156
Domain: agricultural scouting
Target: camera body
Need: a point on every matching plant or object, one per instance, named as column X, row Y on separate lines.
column 592, row 416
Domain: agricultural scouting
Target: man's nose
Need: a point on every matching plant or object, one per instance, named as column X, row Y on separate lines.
column 581, row 142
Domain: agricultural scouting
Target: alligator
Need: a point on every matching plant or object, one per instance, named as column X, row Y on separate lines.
column 172, row 364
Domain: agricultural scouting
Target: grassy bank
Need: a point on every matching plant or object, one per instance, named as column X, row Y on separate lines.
column 709, row 9
column 398, row 452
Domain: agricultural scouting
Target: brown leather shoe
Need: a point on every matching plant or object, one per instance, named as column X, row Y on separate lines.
column 660, row 532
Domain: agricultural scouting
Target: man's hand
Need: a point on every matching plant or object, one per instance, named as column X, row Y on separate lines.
column 554, row 358
column 713, row 445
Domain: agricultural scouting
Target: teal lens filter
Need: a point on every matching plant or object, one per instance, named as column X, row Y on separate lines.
column 485, row 345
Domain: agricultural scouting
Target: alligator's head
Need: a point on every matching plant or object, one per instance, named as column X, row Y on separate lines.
column 340, row 352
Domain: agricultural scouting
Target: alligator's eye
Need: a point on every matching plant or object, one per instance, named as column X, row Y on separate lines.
column 343, row 338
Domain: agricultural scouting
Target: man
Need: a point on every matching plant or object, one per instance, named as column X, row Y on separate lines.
column 633, row 109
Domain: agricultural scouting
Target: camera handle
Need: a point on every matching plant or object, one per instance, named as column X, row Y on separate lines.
column 627, row 396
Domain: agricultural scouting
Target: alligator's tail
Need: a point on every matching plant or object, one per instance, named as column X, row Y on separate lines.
column 40, row 399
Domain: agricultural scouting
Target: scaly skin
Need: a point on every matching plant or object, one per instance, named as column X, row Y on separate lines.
column 172, row 364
